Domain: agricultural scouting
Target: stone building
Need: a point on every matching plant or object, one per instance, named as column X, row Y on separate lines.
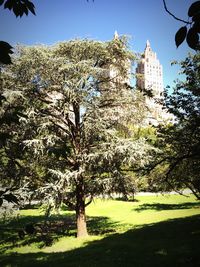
column 150, row 78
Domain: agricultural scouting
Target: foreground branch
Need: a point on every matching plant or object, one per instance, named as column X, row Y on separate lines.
column 171, row 14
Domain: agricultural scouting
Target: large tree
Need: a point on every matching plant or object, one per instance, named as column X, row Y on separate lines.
column 77, row 99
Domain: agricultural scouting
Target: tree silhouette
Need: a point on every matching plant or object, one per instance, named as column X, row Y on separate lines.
column 189, row 32
column 19, row 8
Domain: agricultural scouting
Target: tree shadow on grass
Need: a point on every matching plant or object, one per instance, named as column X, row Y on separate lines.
column 169, row 243
column 100, row 225
column 47, row 232
column 26, row 230
column 160, row 207
column 131, row 199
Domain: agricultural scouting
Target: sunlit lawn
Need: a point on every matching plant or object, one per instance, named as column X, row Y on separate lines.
column 152, row 231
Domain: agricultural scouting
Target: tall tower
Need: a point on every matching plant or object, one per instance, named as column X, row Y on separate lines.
column 150, row 77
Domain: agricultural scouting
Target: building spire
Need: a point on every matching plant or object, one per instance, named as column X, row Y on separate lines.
column 116, row 35
column 148, row 44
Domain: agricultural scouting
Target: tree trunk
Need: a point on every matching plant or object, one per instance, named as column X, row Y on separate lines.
column 80, row 211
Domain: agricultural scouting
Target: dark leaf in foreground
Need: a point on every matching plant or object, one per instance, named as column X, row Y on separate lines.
column 194, row 9
column 5, row 46
column 25, row 9
column 192, row 38
column 5, row 59
column 9, row 4
column 180, row 35
column 196, row 26
column 19, row 7
column 196, row 17
column 5, row 50
column 30, row 6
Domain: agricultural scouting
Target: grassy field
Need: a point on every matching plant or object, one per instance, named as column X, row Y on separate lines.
column 152, row 231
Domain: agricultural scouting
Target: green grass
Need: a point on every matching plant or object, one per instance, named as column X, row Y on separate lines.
column 152, row 231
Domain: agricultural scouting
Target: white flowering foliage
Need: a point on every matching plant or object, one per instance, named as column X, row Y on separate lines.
column 79, row 108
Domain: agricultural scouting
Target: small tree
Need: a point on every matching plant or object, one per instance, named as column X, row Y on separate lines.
column 77, row 97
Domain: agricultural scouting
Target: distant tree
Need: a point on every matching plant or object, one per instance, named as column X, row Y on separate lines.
column 178, row 166
column 75, row 110
column 191, row 35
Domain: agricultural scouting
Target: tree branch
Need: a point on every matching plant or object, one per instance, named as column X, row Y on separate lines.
column 69, row 204
column 171, row 14
column 89, row 201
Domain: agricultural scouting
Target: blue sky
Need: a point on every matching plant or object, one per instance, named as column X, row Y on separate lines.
column 68, row 19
